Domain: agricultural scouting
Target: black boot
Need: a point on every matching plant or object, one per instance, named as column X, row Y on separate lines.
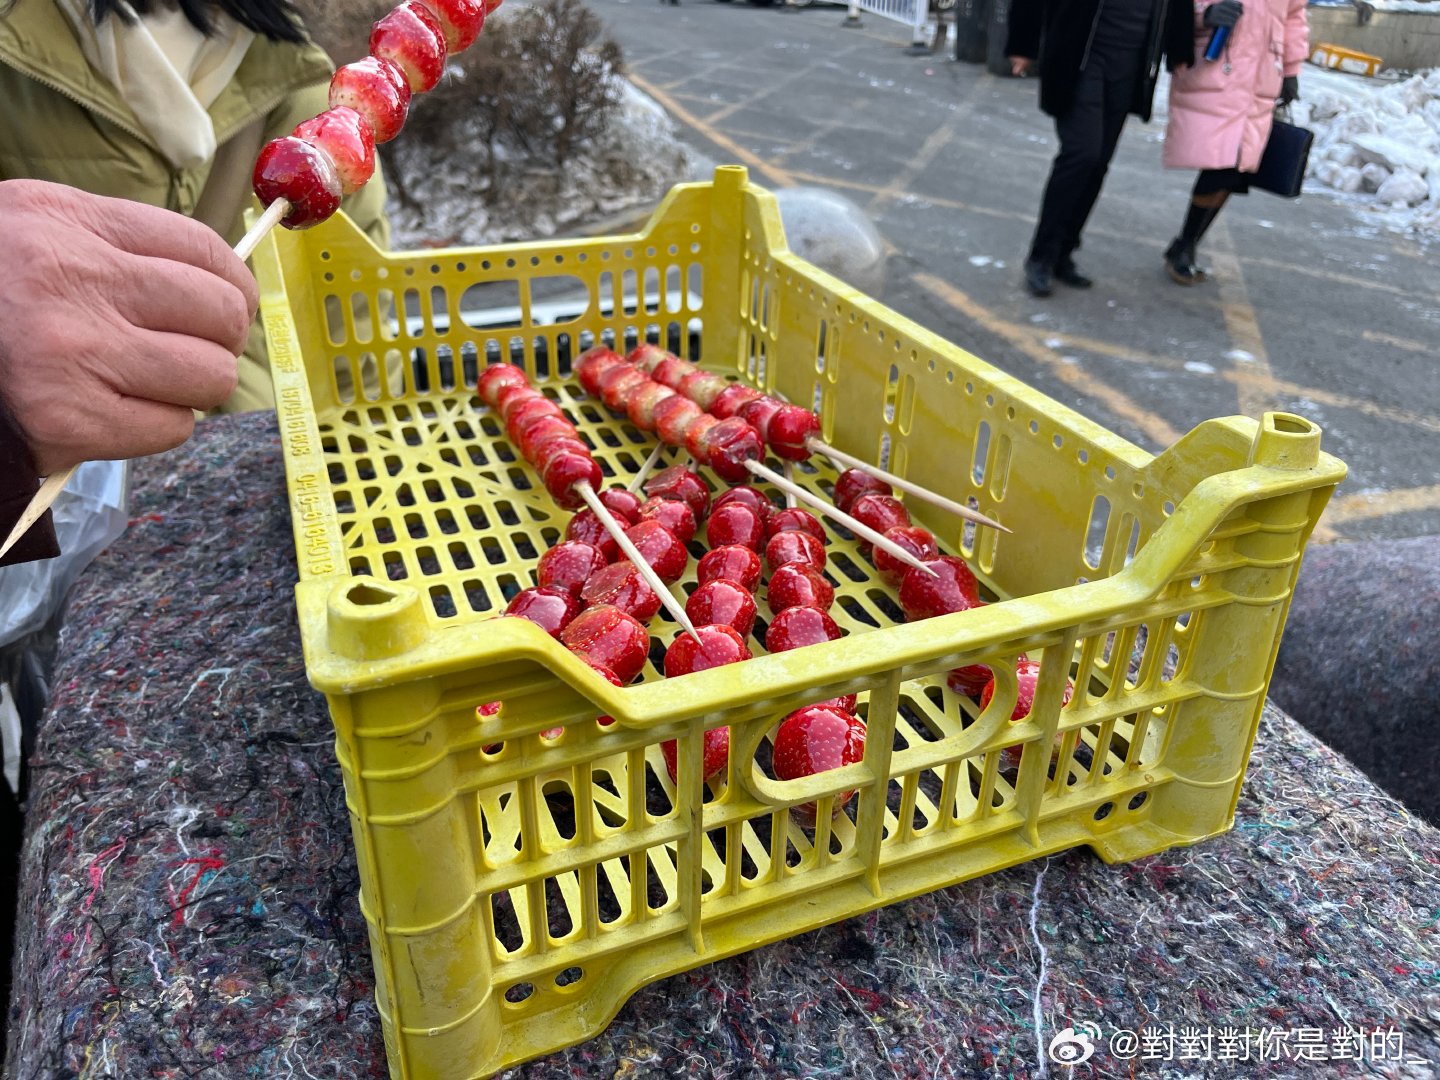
column 1039, row 277
column 1180, row 262
column 1068, row 273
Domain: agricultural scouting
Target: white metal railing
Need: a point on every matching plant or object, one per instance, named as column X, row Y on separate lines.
column 913, row 13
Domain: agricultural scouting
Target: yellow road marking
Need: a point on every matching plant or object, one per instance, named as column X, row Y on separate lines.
column 1026, row 339
column 1408, row 344
column 1252, row 379
column 773, row 173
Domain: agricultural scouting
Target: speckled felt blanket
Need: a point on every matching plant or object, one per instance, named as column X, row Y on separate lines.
column 189, row 898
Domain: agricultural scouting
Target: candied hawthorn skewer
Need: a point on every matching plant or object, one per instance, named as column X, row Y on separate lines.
column 732, row 447
column 792, row 432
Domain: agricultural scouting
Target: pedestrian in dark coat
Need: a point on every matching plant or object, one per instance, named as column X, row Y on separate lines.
column 1099, row 61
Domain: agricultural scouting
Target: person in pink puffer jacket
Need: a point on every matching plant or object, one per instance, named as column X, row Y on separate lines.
column 1221, row 110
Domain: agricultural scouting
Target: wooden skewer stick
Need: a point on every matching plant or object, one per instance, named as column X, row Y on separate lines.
column 646, row 469
column 815, row 446
column 859, row 528
column 632, row 553
column 55, row 483
column 789, row 469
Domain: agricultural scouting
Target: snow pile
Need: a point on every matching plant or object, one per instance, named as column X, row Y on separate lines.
column 1381, row 145
column 447, row 201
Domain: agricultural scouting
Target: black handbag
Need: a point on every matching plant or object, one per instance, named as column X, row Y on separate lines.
column 1282, row 166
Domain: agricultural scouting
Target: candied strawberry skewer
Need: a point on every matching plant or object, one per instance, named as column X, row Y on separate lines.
column 731, row 447
column 792, row 432
column 301, row 178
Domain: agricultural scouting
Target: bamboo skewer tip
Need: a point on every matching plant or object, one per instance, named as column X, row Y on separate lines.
column 817, row 446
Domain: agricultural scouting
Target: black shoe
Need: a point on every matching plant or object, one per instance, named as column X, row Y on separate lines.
column 1067, row 274
column 1180, row 263
column 1038, row 277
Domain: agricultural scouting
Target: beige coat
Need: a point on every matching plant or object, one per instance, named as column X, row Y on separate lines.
column 63, row 122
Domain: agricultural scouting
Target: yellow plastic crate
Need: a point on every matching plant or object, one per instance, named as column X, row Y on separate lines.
column 519, row 889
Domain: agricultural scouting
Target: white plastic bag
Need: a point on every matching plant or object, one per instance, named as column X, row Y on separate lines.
column 90, row 513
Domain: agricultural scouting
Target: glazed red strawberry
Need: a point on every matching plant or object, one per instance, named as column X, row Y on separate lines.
column 491, row 5
column 697, row 437
column 661, row 549
column 951, row 588
column 303, row 175
column 526, row 411
column 919, row 542
column 617, row 384
column 793, row 519
column 621, row 585
column 796, row 627
column 545, row 430
column 646, row 356
column 610, row 677
column 732, row 562
column 703, row 387
column 608, row 637
column 512, row 397
column 728, row 401
column 789, row 430
column 845, row 702
column 378, row 91
column 715, row 756
column 673, row 417
column 564, row 472
column 412, row 39
column 498, row 377
column 461, row 21
column 732, row 443
column 971, row 679
column 671, row 371
column 625, row 505
column 592, row 364
column 589, row 528
column 675, row 516
column 640, row 407
column 757, row 412
column 346, row 136
column 716, row 646
column 751, row 497
column 853, row 483
column 548, row 607
column 798, row 585
column 814, row 740
column 569, row 565
column 722, row 603
column 555, row 447
column 1027, row 674
column 880, row 512
column 678, row 482
column 735, row 523
column 785, row 548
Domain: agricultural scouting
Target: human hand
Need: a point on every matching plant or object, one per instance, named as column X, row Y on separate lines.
column 1289, row 89
column 1223, row 13
column 116, row 320
column 1020, row 65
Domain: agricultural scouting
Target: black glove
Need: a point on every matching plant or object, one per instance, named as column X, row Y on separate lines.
column 1289, row 89
column 1224, row 13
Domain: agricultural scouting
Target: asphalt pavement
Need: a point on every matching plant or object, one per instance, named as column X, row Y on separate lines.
column 1312, row 309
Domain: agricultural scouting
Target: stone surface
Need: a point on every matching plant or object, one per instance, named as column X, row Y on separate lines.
column 1359, row 664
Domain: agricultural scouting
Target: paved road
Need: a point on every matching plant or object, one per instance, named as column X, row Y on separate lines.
column 1313, row 310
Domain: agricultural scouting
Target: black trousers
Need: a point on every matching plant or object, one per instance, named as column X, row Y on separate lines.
column 1088, row 134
